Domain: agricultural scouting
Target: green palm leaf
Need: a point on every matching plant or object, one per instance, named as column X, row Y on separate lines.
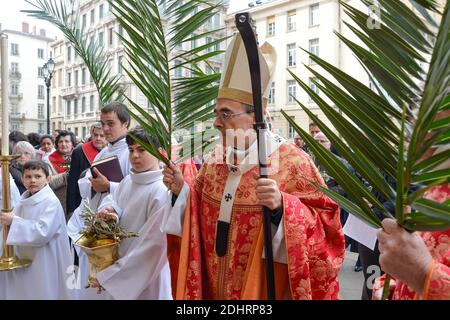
column 65, row 18
column 155, row 31
column 370, row 129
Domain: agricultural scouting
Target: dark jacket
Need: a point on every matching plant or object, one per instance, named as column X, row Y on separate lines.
column 16, row 173
column 78, row 164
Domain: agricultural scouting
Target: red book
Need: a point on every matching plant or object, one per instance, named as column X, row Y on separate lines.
column 109, row 167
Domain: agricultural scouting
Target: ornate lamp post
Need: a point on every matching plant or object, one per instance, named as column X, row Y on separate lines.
column 47, row 71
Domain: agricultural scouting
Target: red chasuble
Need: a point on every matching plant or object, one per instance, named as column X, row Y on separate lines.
column 89, row 151
column 437, row 282
column 58, row 162
column 313, row 236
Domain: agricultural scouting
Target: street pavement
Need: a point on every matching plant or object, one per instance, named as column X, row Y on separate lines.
column 350, row 282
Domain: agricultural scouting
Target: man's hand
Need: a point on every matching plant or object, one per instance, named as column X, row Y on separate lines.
column 99, row 184
column 173, row 178
column 6, row 218
column 403, row 255
column 268, row 193
column 108, row 214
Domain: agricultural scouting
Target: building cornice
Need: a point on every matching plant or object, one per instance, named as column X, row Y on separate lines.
column 30, row 35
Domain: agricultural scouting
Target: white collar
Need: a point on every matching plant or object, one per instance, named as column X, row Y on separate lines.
column 147, row 177
column 36, row 198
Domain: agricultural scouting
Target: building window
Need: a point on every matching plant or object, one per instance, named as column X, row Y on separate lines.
column 313, row 48
column 69, row 53
column 193, row 42
column 83, row 76
column 14, row 89
column 92, row 16
column 41, row 53
column 178, row 70
column 100, row 12
column 271, row 26
column 75, row 106
column 76, row 78
column 272, row 93
column 83, row 105
column 54, row 105
column 291, row 55
column 69, row 79
column 291, row 131
column 120, row 66
column 40, row 92
column 14, row 68
column 314, row 15
column 291, row 91
column 291, row 20
column 313, row 87
column 69, row 107
column 40, row 72
column 60, row 77
column 120, row 34
column 41, row 128
column 84, row 136
column 14, row 49
column 41, row 111
column 207, row 41
column 91, row 103
column 84, row 22
column 100, row 38
column 110, row 36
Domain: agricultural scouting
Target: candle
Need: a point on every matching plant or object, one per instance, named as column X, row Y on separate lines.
column 5, row 104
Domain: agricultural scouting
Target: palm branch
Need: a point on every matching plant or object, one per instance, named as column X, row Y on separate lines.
column 387, row 133
column 63, row 15
column 155, row 30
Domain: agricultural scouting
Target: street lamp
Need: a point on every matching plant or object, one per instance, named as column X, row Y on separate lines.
column 47, row 71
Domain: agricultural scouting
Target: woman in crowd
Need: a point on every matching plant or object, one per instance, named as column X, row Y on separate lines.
column 47, row 143
column 59, row 162
column 26, row 153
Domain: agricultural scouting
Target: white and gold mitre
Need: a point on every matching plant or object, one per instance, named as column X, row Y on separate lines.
column 235, row 83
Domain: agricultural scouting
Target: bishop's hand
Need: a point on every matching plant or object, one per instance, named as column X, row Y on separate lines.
column 268, row 193
column 173, row 178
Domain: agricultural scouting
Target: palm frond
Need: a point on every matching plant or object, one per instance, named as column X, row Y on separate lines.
column 155, row 32
column 387, row 134
column 64, row 16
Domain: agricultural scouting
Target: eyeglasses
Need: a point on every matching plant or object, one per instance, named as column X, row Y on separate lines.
column 226, row 115
column 25, row 153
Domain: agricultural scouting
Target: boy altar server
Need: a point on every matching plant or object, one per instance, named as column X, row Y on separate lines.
column 142, row 271
column 38, row 233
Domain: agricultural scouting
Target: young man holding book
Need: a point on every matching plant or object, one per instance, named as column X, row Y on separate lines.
column 115, row 121
column 142, row 271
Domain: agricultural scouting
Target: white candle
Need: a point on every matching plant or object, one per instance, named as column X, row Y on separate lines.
column 5, row 104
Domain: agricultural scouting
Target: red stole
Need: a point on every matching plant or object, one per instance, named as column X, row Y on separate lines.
column 58, row 162
column 89, row 151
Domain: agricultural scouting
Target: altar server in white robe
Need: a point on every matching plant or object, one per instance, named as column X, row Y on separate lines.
column 115, row 121
column 38, row 233
column 142, row 271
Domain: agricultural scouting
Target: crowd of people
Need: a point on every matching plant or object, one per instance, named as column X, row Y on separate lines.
column 200, row 234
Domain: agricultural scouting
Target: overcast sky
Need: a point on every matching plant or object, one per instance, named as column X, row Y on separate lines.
column 12, row 18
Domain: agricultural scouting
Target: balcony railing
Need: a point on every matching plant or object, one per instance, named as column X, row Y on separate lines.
column 17, row 115
column 15, row 75
column 16, row 96
column 70, row 92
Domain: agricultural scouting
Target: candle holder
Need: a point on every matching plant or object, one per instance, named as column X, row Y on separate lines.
column 8, row 261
